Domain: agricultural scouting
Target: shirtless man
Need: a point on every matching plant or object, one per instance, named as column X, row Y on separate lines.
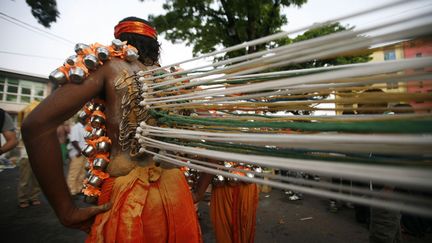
column 164, row 214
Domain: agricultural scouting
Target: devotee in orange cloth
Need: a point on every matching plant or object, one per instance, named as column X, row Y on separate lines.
column 139, row 201
column 233, row 208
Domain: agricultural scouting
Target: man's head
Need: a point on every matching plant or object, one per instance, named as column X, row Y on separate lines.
column 140, row 34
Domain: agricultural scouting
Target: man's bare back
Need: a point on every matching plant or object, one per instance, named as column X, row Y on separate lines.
column 117, row 70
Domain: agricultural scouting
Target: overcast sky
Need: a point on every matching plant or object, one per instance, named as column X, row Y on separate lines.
column 93, row 21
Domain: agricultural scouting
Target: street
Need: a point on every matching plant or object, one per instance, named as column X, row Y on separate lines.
column 278, row 220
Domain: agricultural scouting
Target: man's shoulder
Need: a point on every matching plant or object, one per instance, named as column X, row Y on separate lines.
column 116, row 64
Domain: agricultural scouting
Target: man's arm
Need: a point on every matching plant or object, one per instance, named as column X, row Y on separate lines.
column 8, row 131
column 11, row 141
column 77, row 147
column 43, row 148
column 202, row 184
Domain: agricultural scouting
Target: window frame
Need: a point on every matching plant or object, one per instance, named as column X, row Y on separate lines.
column 21, row 97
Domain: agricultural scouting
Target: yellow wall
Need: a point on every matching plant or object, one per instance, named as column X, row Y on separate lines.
column 378, row 56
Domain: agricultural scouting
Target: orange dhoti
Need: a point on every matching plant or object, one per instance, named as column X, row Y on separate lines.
column 233, row 212
column 150, row 204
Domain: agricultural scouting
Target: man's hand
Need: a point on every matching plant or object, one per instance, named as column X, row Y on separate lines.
column 82, row 218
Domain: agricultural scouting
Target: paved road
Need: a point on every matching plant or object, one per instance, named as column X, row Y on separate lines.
column 278, row 220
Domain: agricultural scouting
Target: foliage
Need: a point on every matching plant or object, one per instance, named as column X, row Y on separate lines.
column 45, row 11
column 209, row 24
column 340, row 60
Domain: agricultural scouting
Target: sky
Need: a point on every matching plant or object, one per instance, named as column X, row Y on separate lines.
column 36, row 52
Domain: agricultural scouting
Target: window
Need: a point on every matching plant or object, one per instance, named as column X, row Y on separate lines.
column 20, row 91
column 389, row 55
column 418, row 54
column 392, row 85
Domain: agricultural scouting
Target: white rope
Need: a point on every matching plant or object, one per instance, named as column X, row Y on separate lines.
column 304, row 182
column 352, row 143
column 358, row 70
column 394, row 175
column 292, row 90
column 318, row 192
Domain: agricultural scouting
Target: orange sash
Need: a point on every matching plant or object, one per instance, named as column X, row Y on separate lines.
column 149, row 205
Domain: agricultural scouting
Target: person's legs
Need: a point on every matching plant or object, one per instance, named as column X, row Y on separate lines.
column 233, row 212
column 221, row 212
column 248, row 203
column 24, row 181
column 80, row 174
column 35, row 190
column 384, row 226
column 76, row 175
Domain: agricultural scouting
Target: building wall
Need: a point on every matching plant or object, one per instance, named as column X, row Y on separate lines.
column 17, row 90
column 415, row 49
column 387, row 53
column 383, row 53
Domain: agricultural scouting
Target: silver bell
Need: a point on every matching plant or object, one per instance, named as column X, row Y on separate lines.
column 227, row 165
column 97, row 121
column 90, row 106
column 79, row 48
column 58, row 76
column 87, row 165
column 99, row 107
column 218, row 180
column 88, row 135
column 131, row 55
column 76, row 75
column 72, row 60
column 102, row 53
column 258, row 169
column 99, row 132
column 91, row 61
column 103, row 147
column 88, row 151
column 100, row 164
column 83, row 116
column 117, row 44
column 95, row 181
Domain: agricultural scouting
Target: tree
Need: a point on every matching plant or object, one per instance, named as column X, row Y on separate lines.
column 45, row 11
column 211, row 23
column 322, row 31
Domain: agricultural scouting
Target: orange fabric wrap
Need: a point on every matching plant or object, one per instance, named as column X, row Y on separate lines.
column 233, row 212
column 149, row 205
column 106, row 191
column 134, row 27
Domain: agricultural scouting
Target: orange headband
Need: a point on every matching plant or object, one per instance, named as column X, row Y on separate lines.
column 135, row 27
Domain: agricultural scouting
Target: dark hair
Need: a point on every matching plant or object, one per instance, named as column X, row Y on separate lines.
column 148, row 48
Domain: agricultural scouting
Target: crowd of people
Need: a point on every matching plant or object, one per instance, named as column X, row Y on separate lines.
column 71, row 140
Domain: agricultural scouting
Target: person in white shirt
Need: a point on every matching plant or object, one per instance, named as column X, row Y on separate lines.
column 76, row 172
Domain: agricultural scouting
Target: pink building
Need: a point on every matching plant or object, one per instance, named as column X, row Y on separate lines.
column 419, row 48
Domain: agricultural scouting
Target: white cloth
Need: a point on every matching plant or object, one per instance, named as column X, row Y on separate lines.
column 76, row 134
